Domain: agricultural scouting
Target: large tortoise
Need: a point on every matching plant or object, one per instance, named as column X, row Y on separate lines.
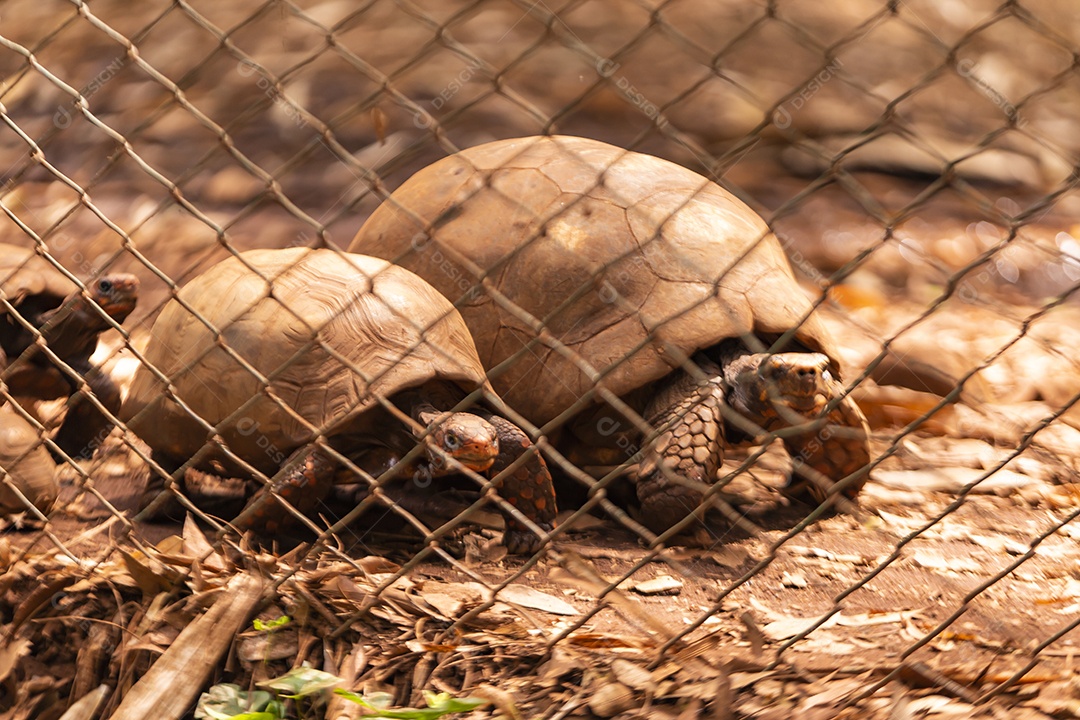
column 666, row 289
column 70, row 320
column 331, row 333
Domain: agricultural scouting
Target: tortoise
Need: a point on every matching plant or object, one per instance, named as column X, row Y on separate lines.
column 672, row 295
column 25, row 464
column 332, row 334
column 70, row 319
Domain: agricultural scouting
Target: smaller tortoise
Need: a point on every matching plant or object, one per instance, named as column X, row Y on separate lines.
column 70, row 321
column 313, row 342
column 25, row 464
column 645, row 275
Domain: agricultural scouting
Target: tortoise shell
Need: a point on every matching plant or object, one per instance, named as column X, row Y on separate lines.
column 23, row 274
column 33, row 286
column 27, row 464
column 287, row 358
column 631, row 262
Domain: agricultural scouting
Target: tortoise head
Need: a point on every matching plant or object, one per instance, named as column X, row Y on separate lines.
column 116, row 294
column 798, row 380
column 468, row 438
column 71, row 330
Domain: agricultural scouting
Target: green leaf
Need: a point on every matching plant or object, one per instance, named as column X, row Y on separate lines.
column 269, row 626
column 301, row 681
column 374, row 701
column 227, row 701
column 438, row 705
column 446, row 703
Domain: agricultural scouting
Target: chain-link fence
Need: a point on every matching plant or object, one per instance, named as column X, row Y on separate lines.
column 619, row 447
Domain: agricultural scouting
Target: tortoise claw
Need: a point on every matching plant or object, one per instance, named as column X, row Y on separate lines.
column 522, row 541
column 303, row 481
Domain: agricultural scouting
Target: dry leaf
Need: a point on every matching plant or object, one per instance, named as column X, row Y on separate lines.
column 10, row 653
column 753, row 633
column 373, row 564
column 149, row 581
column 453, row 599
column 633, row 675
column 938, row 705
column 865, row 619
column 279, row 645
column 197, row 546
column 833, row 692
column 87, row 706
column 581, row 523
column 379, row 121
column 791, row 626
column 825, row 644
column 561, row 663
column 534, row 599
column 600, row 641
column 612, row 698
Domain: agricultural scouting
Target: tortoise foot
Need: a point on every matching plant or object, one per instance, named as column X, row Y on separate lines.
column 665, row 509
column 528, row 488
column 839, row 449
column 684, row 458
column 156, row 504
column 304, row 481
column 521, row 540
column 85, row 427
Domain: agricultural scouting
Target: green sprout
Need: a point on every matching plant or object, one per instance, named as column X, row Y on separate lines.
column 227, row 701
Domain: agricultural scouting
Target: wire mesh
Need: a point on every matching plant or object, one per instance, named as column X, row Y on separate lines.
column 915, row 165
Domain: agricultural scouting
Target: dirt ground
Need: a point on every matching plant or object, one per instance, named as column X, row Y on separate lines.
column 923, row 602
column 953, row 592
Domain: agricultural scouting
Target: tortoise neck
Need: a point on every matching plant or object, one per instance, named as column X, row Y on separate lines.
column 71, row 330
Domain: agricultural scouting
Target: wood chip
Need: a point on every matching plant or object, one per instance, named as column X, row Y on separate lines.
column 633, row 675
column 794, row 580
column 88, row 705
column 660, row 585
column 536, row 600
column 173, row 683
column 952, row 480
